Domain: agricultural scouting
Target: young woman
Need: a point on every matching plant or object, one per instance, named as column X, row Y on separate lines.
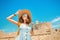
column 23, row 24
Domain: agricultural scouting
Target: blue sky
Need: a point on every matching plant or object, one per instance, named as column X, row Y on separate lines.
column 43, row 10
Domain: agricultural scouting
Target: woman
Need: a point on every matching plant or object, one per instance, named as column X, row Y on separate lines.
column 24, row 30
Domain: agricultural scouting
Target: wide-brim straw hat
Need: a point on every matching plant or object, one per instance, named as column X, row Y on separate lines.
column 21, row 12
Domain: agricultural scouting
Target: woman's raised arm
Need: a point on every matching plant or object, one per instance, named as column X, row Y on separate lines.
column 11, row 20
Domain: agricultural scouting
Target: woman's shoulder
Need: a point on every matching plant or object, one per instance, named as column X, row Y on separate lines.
column 21, row 24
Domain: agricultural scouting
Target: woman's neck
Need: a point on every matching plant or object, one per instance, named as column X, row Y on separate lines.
column 24, row 21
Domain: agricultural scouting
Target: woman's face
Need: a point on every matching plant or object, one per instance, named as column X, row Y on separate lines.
column 24, row 16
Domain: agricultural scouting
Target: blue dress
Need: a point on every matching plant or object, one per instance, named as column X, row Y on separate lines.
column 24, row 32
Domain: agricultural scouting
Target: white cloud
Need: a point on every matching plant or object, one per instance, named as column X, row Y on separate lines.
column 56, row 23
column 55, row 20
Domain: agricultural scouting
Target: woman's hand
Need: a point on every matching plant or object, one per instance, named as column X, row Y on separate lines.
column 32, row 33
column 16, row 13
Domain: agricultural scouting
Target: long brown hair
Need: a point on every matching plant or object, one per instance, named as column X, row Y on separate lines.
column 21, row 13
column 28, row 20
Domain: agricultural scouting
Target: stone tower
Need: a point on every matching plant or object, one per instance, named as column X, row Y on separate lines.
column 37, row 24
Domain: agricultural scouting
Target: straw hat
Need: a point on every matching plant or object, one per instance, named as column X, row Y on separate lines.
column 21, row 12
